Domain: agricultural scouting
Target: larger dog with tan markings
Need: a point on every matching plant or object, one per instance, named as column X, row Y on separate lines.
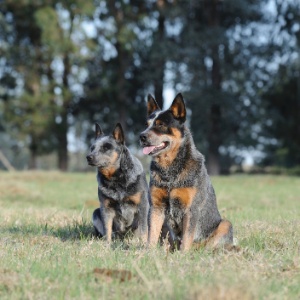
column 182, row 196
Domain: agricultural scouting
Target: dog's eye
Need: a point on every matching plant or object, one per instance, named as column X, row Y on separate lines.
column 92, row 148
column 146, row 124
column 107, row 147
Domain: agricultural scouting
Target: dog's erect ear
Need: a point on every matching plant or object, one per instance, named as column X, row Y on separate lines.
column 98, row 130
column 178, row 108
column 118, row 134
column 151, row 105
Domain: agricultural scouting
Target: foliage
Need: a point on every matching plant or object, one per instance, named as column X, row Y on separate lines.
column 42, row 33
column 213, row 72
column 282, row 113
column 281, row 102
column 82, row 62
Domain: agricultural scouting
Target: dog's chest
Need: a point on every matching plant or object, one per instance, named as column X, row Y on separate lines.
column 116, row 190
column 174, row 212
column 125, row 211
column 173, row 178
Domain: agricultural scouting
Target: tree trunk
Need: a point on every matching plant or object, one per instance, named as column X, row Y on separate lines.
column 62, row 151
column 121, row 93
column 213, row 157
column 158, row 85
column 62, row 127
column 214, row 135
column 159, row 58
column 122, row 60
column 33, row 155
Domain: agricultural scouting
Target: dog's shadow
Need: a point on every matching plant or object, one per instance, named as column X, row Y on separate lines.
column 75, row 231
column 85, row 231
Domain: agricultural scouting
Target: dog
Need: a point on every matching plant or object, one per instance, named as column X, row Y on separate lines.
column 181, row 194
column 122, row 187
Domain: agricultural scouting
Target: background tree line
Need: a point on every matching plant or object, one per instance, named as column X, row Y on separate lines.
column 67, row 64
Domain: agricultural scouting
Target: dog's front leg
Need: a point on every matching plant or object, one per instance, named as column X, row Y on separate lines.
column 157, row 214
column 186, row 196
column 143, row 226
column 188, row 231
column 157, row 217
column 107, row 215
column 142, row 202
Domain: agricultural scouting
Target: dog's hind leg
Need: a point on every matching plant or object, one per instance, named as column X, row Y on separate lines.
column 98, row 223
column 221, row 236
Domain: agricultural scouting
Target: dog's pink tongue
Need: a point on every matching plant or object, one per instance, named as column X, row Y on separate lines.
column 147, row 150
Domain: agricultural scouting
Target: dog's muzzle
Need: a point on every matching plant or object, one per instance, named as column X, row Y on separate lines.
column 89, row 159
column 143, row 138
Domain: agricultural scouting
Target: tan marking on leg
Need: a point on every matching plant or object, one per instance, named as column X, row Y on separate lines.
column 157, row 213
column 108, row 227
column 157, row 196
column 187, row 233
column 106, row 203
column 135, row 198
column 157, row 217
column 108, row 219
column 184, row 195
column 221, row 232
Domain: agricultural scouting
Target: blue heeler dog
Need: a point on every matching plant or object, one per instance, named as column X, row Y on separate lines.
column 122, row 187
column 182, row 196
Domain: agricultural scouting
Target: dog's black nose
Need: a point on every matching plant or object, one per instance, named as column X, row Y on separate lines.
column 89, row 158
column 143, row 137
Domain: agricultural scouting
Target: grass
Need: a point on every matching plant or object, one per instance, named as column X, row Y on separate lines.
column 47, row 250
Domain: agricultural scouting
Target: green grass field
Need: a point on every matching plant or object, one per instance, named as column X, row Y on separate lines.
column 48, row 251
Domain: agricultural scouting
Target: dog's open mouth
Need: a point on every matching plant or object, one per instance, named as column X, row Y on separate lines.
column 150, row 150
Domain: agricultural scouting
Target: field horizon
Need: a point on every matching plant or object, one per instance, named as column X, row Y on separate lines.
column 48, row 250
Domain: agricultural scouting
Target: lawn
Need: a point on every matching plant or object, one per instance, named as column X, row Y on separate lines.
column 48, row 250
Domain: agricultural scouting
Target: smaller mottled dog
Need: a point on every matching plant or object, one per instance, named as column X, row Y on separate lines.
column 182, row 196
column 122, row 188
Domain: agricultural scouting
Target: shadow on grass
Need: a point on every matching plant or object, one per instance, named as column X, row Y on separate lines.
column 84, row 231
column 72, row 232
column 75, row 231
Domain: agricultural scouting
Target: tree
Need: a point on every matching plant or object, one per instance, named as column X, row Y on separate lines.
column 281, row 101
column 209, row 71
column 115, row 87
column 281, row 126
column 50, row 37
column 95, row 61
column 64, row 37
column 25, row 63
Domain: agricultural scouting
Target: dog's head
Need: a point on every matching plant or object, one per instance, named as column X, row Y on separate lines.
column 106, row 150
column 165, row 129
